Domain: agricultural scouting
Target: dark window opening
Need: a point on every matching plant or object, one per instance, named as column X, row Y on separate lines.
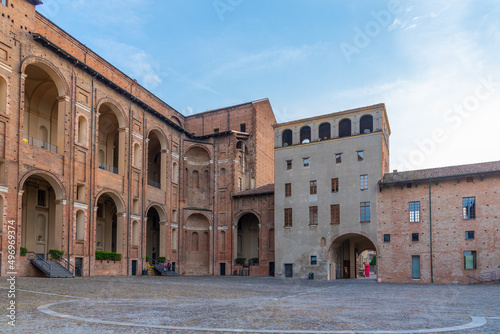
column 243, row 127
column 216, row 130
column 324, row 131
column 469, row 235
column 414, row 237
column 344, row 128
column 42, row 198
column 366, row 124
column 335, row 185
column 387, row 238
column 470, row 179
column 338, row 158
column 305, row 135
column 289, row 164
column 408, row 185
column 314, row 260
column 286, row 138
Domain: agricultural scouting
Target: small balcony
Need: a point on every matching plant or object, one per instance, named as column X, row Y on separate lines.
column 40, row 143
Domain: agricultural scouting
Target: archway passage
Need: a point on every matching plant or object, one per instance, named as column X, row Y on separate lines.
column 247, row 243
column 109, row 224
column 153, row 234
column 42, row 214
column 110, row 140
column 347, row 256
column 196, row 245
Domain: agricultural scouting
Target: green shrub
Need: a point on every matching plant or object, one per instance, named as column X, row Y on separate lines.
column 23, row 251
column 147, row 258
column 55, row 252
column 241, row 260
column 161, row 259
column 255, row 260
column 373, row 262
column 107, row 256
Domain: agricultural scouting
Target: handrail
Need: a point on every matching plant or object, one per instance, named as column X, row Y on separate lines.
column 485, row 276
column 69, row 267
column 40, row 143
column 40, row 262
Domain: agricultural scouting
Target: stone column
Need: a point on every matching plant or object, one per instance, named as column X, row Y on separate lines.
column 122, row 139
column 62, row 105
column 163, row 170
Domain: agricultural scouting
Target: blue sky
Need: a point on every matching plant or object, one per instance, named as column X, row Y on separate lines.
column 435, row 64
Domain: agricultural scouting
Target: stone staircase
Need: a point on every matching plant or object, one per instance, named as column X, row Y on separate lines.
column 55, row 267
column 160, row 268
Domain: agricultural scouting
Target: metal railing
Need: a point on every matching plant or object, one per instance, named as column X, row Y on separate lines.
column 108, row 168
column 154, row 184
column 62, row 261
column 485, row 276
column 39, row 261
column 40, row 143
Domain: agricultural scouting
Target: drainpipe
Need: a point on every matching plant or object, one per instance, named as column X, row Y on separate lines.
column 130, row 139
column 430, row 227
column 92, row 172
column 213, row 212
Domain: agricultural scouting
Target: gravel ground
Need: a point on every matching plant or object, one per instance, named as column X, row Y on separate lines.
column 245, row 303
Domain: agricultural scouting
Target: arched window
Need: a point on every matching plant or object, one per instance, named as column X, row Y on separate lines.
column 137, row 155
column 80, row 225
column 345, row 128
column 305, row 135
column 286, row 138
column 366, row 124
column 175, row 172
column 3, row 95
column 206, row 181
column 324, row 131
column 174, row 239
column 135, row 233
column 82, row 130
column 196, row 179
column 194, row 241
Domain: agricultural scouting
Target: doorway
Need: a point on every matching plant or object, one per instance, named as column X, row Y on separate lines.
column 288, row 270
column 223, row 269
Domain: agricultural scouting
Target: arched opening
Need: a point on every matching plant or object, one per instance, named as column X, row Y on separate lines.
column 305, row 135
column 42, row 214
column 196, row 250
column 111, row 140
column 109, row 224
column 3, row 95
column 344, row 128
column 324, row 131
column 43, row 108
column 248, row 237
column 157, row 157
column 198, row 165
column 135, row 233
column 137, row 155
column 82, row 130
column 176, row 120
column 366, row 124
column 153, row 234
column 80, row 225
column 348, row 255
column 175, row 172
column 287, row 138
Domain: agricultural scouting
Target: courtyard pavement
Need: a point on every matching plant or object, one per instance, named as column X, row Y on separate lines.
column 142, row 304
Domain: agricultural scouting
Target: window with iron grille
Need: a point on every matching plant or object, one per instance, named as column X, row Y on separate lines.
column 414, row 210
column 387, row 238
column 288, row 189
column 469, row 235
column 288, row 217
column 313, row 215
column 335, row 185
column 335, row 213
column 364, row 211
column 363, row 180
column 313, row 187
column 469, row 207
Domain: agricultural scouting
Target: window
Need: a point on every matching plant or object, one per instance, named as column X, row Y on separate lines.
column 243, row 127
column 335, row 185
column 366, row 124
column 363, row 180
column 470, row 260
column 469, row 207
column 100, row 210
column 361, row 155
column 42, row 198
column 289, row 164
column 288, row 217
column 314, row 260
column 414, row 209
column 345, row 128
column 470, row 179
column 288, row 189
column 408, row 185
column 313, row 215
column 387, row 238
column 415, row 267
column 414, row 237
column 324, row 131
column 286, row 138
column 216, row 130
column 338, row 158
column 305, row 135
column 365, row 211
column 335, row 213
column 313, row 187
column 4, row 2
column 469, row 235
column 306, row 162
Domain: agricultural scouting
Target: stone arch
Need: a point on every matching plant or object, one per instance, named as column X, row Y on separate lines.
column 110, row 222
column 52, row 71
column 42, row 212
column 345, row 128
column 176, row 120
column 111, row 136
column 287, row 138
column 120, row 204
column 157, row 159
column 248, row 235
column 305, row 134
column 324, row 131
column 198, row 173
column 366, row 124
column 116, row 108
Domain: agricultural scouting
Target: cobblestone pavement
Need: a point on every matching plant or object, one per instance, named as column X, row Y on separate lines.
column 142, row 304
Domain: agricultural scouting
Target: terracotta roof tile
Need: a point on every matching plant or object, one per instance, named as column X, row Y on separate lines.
column 263, row 190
